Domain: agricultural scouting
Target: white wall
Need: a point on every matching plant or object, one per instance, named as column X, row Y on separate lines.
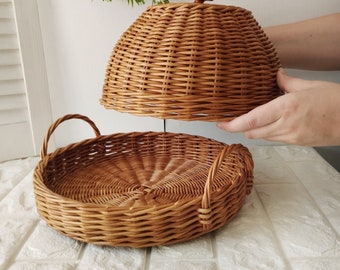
column 79, row 35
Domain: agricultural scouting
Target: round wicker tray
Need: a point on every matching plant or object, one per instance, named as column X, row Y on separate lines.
column 191, row 61
column 140, row 189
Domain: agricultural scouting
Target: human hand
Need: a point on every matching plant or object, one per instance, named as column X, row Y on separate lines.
column 308, row 114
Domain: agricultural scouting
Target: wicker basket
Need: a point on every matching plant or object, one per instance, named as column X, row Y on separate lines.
column 191, row 62
column 140, row 189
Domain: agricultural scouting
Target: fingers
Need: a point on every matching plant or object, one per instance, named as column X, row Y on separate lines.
column 265, row 114
column 299, row 117
column 266, row 121
column 271, row 132
column 256, row 118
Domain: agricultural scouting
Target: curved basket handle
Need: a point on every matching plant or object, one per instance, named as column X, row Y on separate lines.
column 52, row 128
column 205, row 210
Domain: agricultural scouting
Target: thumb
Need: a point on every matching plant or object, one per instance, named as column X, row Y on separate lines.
column 290, row 84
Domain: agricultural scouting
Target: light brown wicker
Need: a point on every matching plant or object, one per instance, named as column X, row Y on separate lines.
column 191, row 62
column 140, row 189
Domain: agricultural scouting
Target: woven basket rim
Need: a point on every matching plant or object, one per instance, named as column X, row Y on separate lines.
column 88, row 142
column 188, row 4
column 161, row 220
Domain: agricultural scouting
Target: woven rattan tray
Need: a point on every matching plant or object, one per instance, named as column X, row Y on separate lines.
column 140, row 189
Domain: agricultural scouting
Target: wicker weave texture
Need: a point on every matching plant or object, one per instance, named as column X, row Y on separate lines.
column 141, row 189
column 191, row 62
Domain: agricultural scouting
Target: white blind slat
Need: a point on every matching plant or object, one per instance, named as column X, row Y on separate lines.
column 10, row 57
column 8, row 42
column 11, row 102
column 6, row 10
column 10, row 87
column 20, row 144
column 11, row 72
column 14, row 116
column 7, row 26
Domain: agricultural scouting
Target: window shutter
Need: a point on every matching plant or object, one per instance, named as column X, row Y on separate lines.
column 15, row 128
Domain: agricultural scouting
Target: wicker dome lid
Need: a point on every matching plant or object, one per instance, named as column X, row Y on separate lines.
column 191, row 61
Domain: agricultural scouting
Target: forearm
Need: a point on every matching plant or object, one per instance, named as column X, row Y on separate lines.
column 310, row 44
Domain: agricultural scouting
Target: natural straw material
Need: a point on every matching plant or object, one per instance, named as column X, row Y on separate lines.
column 191, row 62
column 140, row 189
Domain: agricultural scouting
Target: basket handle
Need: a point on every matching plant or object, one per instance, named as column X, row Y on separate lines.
column 52, row 128
column 205, row 210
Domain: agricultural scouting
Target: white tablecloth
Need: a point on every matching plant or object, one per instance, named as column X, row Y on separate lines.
column 291, row 220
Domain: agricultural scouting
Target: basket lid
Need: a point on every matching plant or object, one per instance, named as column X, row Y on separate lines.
column 191, row 61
